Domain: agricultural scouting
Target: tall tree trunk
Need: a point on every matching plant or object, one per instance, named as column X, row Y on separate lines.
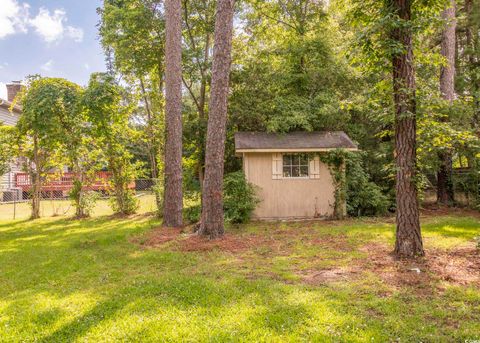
column 445, row 191
column 36, row 180
column 79, row 191
column 202, row 102
column 472, row 42
column 408, row 236
column 150, row 130
column 211, row 224
column 203, row 84
column 173, row 201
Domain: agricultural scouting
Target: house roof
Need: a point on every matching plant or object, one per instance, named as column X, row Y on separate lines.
column 6, row 104
column 293, row 141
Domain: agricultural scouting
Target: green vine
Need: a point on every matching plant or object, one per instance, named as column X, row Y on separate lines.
column 335, row 160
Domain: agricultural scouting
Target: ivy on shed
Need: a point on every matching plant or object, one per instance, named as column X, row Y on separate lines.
column 335, row 160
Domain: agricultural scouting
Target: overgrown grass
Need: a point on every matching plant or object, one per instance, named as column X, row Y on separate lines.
column 64, row 280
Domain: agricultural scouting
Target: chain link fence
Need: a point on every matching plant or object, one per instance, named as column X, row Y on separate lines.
column 466, row 186
column 15, row 199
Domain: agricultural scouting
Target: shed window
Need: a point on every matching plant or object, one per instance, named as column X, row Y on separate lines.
column 295, row 165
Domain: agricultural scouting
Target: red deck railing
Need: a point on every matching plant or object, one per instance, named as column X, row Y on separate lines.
column 64, row 182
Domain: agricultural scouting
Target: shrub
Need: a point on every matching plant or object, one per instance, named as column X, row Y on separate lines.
column 88, row 202
column 124, row 203
column 364, row 198
column 191, row 191
column 192, row 214
column 239, row 198
column 84, row 201
column 239, row 201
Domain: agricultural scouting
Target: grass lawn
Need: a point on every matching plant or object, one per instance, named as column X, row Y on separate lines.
column 50, row 208
column 116, row 280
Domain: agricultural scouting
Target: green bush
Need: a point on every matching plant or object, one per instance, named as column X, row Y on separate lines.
column 239, row 201
column 239, row 198
column 191, row 191
column 83, row 201
column 192, row 214
column 124, row 202
column 364, row 198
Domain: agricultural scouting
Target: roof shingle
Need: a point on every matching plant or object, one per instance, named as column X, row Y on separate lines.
column 301, row 141
column 6, row 104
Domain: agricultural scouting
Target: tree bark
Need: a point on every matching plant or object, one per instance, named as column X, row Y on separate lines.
column 173, row 201
column 36, row 180
column 211, row 224
column 150, row 130
column 445, row 191
column 472, row 42
column 408, row 236
column 203, row 99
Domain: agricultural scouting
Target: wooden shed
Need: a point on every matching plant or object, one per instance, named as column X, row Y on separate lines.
column 292, row 181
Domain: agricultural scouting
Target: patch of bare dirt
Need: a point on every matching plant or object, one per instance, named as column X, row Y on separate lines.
column 184, row 240
column 229, row 243
column 460, row 266
column 159, row 237
column 424, row 275
column 326, row 276
column 395, row 272
column 333, row 242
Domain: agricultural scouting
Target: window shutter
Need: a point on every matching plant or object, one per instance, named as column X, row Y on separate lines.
column 277, row 166
column 315, row 167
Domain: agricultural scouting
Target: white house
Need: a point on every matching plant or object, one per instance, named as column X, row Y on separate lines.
column 10, row 118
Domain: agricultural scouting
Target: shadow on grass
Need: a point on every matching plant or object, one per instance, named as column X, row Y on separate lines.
column 81, row 325
column 61, row 258
column 205, row 300
column 55, row 251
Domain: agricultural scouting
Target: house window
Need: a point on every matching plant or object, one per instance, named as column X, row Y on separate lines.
column 295, row 165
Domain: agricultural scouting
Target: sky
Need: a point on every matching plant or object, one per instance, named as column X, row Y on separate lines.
column 55, row 38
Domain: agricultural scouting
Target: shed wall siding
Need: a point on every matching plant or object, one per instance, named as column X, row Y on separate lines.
column 288, row 197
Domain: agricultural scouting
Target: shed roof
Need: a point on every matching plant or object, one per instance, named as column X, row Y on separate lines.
column 293, row 141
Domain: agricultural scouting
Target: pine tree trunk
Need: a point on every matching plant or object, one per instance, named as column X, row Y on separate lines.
column 173, row 198
column 408, row 236
column 202, row 102
column 472, row 46
column 211, row 224
column 445, row 191
column 150, row 130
